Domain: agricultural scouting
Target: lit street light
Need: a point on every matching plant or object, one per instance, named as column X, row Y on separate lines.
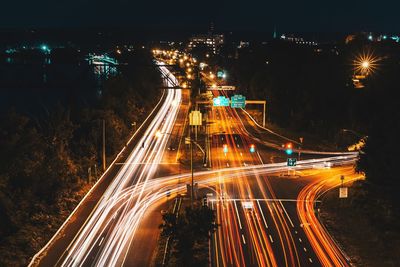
column 365, row 64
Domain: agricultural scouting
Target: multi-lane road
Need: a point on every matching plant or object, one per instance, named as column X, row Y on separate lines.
column 105, row 236
column 266, row 218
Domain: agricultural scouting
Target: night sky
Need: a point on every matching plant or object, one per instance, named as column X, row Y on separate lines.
column 262, row 15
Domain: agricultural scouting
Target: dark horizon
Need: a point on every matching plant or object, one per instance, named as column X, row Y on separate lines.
column 134, row 34
column 313, row 16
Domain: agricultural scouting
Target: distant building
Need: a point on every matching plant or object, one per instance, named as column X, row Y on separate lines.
column 296, row 39
column 243, row 44
column 210, row 40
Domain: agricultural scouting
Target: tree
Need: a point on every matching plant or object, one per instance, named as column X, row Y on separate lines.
column 192, row 227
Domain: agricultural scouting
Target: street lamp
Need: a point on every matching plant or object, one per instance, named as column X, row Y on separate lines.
column 360, row 143
column 353, row 132
column 365, row 63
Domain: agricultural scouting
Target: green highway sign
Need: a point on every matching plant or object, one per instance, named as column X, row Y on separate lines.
column 221, row 101
column 291, row 162
column 221, row 74
column 238, row 101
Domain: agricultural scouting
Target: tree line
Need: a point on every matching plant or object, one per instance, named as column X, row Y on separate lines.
column 44, row 158
column 310, row 89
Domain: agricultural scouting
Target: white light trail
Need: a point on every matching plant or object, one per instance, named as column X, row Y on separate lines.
column 118, row 213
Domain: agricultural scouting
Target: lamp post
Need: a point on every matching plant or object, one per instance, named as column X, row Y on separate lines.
column 191, row 169
column 365, row 67
column 104, row 145
column 189, row 141
column 353, row 132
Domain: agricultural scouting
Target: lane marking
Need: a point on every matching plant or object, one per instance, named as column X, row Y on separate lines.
column 244, row 241
column 262, row 214
column 237, row 214
column 260, row 158
column 270, row 238
column 291, row 223
column 269, row 199
column 101, row 241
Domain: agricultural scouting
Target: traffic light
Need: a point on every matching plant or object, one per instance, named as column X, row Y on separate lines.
column 252, row 148
column 225, row 148
column 289, row 148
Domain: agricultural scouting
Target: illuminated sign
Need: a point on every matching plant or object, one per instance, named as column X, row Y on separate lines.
column 221, row 101
column 221, row 87
column 238, row 101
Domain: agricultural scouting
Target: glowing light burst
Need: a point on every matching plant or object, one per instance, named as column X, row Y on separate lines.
column 366, row 63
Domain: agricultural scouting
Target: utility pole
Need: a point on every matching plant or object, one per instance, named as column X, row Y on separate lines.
column 95, row 171
column 191, row 168
column 300, row 147
column 342, row 188
column 195, row 133
column 89, row 175
column 104, row 145
column 264, row 116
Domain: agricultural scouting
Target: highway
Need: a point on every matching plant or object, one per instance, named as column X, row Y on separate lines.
column 261, row 220
column 266, row 217
column 105, row 236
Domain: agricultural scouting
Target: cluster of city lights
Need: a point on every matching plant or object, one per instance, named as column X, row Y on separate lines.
column 185, row 61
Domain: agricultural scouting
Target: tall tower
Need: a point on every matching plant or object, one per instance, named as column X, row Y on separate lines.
column 211, row 29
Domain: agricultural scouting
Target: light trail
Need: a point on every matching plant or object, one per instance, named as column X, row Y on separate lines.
column 155, row 189
column 258, row 249
column 105, row 238
column 117, row 215
column 326, row 249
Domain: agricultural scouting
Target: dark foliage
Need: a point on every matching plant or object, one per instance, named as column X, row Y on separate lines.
column 44, row 159
column 192, row 227
column 309, row 89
